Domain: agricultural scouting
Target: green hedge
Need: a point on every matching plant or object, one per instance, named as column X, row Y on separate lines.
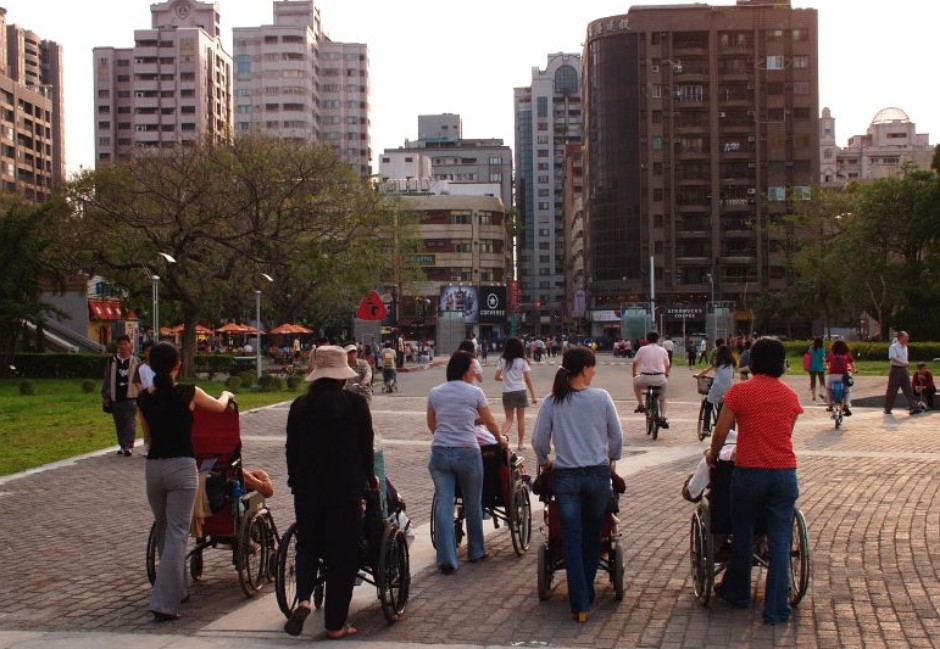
column 91, row 366
column 61, row 366
column 875, row 351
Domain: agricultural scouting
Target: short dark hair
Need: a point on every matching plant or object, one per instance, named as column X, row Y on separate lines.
column 652, row 337
column 458, row 365
column 768, row 356
column 147, row 345
column 467, row 346
column 123, row 338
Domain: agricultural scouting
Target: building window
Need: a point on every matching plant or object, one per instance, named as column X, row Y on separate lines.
column 542, row 103
column 802, row 192
column 775, row 62
column 800, row 88
column 496, row 160
column 777, row 193
column 496, row 177
column 657, row 143
column 801, row 61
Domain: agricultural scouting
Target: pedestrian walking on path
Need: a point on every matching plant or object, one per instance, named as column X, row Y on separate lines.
column 171, row 474
column 764, row 483
column 119, row 394
column 329, row 459
column 583, row 426
column 514, row 371
column 898, row 377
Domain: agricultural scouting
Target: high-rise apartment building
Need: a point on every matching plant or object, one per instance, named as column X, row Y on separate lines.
column 547, row 119
column 890, row 142
column 173, row 87
column 455, row 160
column 701, row 131
column 292, row 81
column 32, row 123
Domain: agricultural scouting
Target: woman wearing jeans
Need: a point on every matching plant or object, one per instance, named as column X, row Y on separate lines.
column 453, row 407
column 582, row 424
column 764, row 482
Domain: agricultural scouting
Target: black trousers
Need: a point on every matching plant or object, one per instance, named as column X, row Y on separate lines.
column 333, row 533
column 898, row 378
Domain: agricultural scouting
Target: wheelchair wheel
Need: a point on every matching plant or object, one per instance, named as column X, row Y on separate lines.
column 252, row 553
column 285, row 579
column 152, row 561
column 545, row 572
column 701, row 554
column 393, row 576
column 458, row 523
column 801, row 563
column 520, row 519
column 615, row 558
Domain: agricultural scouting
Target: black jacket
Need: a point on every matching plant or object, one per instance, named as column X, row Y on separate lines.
column 329, row 443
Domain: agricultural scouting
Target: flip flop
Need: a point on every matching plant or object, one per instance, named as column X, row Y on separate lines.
column 347, row 630
column 295, row 623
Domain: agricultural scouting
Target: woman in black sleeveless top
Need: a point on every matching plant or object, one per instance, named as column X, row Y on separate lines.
column 171, row 474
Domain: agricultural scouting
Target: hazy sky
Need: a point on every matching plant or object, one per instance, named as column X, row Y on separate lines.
column 435, row 56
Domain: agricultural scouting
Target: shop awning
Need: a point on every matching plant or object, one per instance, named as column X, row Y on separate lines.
column 104, row 310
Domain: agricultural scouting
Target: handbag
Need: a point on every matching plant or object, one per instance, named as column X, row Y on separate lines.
column 848, row 380
column 807, row 361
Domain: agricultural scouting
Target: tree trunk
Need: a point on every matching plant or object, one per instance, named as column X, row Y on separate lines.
column 188, row 352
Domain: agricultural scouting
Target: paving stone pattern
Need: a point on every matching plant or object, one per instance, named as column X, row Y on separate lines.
column 72, row 545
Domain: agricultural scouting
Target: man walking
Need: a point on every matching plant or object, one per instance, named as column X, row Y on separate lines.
column 899, row 376
column 119, row 394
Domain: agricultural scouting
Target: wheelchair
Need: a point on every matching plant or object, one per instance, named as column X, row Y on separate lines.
column 551, row 556
column 711, row 522
column 240, row 520
column 505, row 498
column 383, row 561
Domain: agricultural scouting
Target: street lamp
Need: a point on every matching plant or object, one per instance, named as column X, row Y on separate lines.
column 156, row 295
column 711, row 282
column 258, row 326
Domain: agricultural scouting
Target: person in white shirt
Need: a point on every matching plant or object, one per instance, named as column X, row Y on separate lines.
column 898, row 377
column 651, row 367
column 513, row 371
column 670, row 347
column 703, row 350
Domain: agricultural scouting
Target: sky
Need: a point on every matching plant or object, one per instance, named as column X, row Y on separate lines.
column 435, row 56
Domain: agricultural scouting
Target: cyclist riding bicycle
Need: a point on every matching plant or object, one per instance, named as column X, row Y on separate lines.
column 651, row 368
column 723, row 368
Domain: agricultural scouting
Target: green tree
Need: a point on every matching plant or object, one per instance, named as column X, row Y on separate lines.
column 33, row 258
column 228, row 212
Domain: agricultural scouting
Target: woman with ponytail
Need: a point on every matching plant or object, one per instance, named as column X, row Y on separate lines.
column 582, row 424
column 171, row 474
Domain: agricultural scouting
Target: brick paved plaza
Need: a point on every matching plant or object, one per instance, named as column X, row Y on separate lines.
column 73, row 539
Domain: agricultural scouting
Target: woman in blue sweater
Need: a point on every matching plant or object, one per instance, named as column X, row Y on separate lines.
column 582, row 424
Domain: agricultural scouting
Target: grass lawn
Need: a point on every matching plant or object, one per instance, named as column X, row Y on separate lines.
column 863, row 368
column 60, row 421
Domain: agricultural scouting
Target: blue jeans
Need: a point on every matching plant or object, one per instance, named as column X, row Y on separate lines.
column 582, row 495
column 448, row 466
column 773, row 493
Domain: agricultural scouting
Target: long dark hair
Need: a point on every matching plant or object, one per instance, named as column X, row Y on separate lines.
column 467, row 346
column 573, row 363
column 513, row 350
column 163, row 359
column 458, row 365
column 723, row 356
column 817, row 342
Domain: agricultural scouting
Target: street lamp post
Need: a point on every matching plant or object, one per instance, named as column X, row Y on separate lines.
column 156, row 296
column 711, row 306
column 258, row 326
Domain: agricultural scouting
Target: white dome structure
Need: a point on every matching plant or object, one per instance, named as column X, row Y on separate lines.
column 890, row 114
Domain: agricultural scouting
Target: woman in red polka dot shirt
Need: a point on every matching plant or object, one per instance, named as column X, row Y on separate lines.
column 764, row 482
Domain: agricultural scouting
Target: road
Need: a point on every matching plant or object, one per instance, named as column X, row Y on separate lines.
column 74, row 537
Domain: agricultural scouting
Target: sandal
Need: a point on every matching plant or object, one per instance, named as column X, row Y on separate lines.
column 295, row 623
column 347, row 629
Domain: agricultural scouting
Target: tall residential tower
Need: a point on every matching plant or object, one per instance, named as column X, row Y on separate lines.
column 293, row 82
column 547, row 119
column 173, row 87
column 701, row 128
column 32, row 124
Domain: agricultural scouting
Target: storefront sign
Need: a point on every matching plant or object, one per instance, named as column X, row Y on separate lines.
column 687, row 312
column 492, row 304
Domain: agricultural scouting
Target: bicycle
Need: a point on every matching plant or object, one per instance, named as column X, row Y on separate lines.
column 705, row 427
column 653, row 420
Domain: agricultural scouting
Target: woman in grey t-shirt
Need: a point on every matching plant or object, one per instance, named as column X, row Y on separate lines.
column 455, row 457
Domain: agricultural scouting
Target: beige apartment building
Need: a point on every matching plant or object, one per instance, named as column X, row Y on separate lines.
column 32, row 125
column 174, row 86
column 293, row 82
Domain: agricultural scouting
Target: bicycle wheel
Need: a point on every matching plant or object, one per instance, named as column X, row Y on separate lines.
column 653, row 418
column 701, row 421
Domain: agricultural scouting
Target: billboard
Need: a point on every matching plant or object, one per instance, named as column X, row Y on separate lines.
column 479, row 305
column 493, row 304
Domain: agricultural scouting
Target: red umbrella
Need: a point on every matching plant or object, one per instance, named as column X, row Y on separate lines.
column 284, row 329
column 231, row 328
